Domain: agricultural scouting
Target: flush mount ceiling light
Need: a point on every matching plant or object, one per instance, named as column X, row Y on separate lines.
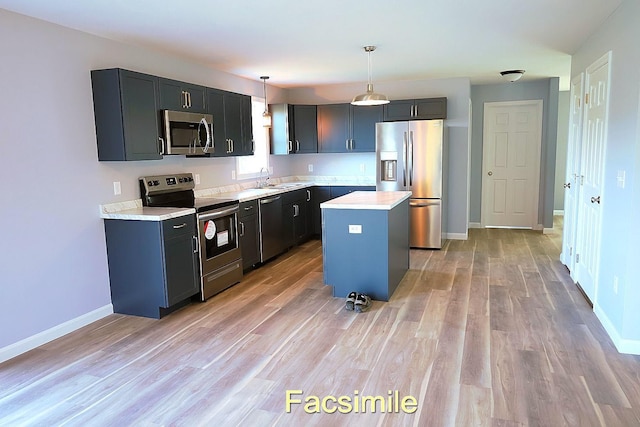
column 266, row 115
column 511, row 75
column 370, row 97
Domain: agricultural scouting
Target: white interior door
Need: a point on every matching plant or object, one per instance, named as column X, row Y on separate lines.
column 592, row 164
column 512, row 139
column 571, row 182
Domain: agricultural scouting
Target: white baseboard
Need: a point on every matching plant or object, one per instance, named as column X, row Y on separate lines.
column 475, row 225
column 558, row 212
column 457, row 236
column 51, row 334
column 622, row 345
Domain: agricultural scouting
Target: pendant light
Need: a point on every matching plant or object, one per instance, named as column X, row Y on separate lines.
column 370, row 97
column 266, row 115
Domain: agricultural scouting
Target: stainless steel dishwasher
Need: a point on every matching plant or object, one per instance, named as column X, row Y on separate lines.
column 271, row 240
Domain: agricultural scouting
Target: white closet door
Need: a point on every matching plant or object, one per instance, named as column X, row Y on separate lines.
column 571, row 183
column 592, row 174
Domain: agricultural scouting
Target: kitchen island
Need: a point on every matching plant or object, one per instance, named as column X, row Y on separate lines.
column 365, row 242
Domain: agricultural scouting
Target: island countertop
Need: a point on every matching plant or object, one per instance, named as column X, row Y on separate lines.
column 381, row 200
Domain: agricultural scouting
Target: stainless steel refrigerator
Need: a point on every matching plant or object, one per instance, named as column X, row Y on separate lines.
column 411, row 156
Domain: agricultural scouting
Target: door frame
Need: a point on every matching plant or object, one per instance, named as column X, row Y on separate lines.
column 538, row 103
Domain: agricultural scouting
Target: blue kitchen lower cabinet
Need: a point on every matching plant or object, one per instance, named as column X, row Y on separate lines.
column 365, row 250
column 153, row 265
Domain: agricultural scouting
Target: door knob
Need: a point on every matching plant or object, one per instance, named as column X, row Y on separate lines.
column 490, row 173
column 595, row 200
column 567, row 185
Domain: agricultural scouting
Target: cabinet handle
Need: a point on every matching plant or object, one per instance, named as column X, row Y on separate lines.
column 241, row 229
column 184, row 99
column 346, row 144
column 296, row 211
column 184, row 224
column 161, row 141
column 248, row 208
column 290, row 146
column 297, row 145
column 352, row 141
column 232, row 146
column 195, row 244
column 189, row 99
column 308, row 195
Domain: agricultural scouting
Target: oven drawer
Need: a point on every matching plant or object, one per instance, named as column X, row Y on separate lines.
column 179, row 226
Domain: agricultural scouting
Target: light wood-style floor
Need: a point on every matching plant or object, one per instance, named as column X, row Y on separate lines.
column 488, row 331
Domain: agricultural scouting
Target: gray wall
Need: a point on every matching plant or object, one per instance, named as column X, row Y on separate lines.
column 619, row 250
column 561, row 149
column 547, row 90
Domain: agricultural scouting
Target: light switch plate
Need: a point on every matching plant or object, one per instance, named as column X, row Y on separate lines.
column 117, row 189
column 196, row 178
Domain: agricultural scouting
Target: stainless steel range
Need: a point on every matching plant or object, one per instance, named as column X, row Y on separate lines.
column 219, row 246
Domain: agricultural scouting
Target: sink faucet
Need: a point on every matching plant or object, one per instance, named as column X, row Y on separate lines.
column 263, row 181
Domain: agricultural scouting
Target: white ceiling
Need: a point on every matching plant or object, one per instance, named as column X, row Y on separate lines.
column 314, row 42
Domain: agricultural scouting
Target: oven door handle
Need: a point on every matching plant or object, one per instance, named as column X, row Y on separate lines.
column 217, row 213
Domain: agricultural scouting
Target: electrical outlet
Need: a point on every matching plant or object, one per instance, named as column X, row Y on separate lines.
column 117, row 189
column 355, row 229
column 197, row 178
column 615, row 285
column 233, row 174
column 310, row 167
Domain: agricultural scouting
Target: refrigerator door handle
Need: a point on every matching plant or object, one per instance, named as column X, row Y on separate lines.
column 404, row 158
column 416, row 204
column 411, row 158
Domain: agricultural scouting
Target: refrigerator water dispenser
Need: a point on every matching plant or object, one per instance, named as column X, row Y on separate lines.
column 389, row 166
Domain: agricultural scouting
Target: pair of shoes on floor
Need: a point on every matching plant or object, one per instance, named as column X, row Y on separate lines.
column 357, row 302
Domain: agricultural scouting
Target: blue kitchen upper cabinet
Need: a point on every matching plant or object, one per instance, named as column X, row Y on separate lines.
column 363, row 127
column 181, row 96
column 305, row 129
column 344, row 128
column 232, row 129
column 416, row 109
column 125, row 105
column 333, row 128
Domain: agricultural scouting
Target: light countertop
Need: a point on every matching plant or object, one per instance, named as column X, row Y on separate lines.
column 380, row 200
column 134, row 211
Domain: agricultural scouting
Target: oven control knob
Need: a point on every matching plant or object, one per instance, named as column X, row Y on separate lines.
column 180, row 179
column 156, row 182
column 150, row 183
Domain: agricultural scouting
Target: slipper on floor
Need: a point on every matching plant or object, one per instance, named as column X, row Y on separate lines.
column 351, row 299
column 362, row 303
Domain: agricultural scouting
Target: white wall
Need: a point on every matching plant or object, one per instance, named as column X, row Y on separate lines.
column 620, row 251
column 53, row 264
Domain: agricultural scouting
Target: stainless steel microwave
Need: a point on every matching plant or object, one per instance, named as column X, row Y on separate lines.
column 187, row 133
